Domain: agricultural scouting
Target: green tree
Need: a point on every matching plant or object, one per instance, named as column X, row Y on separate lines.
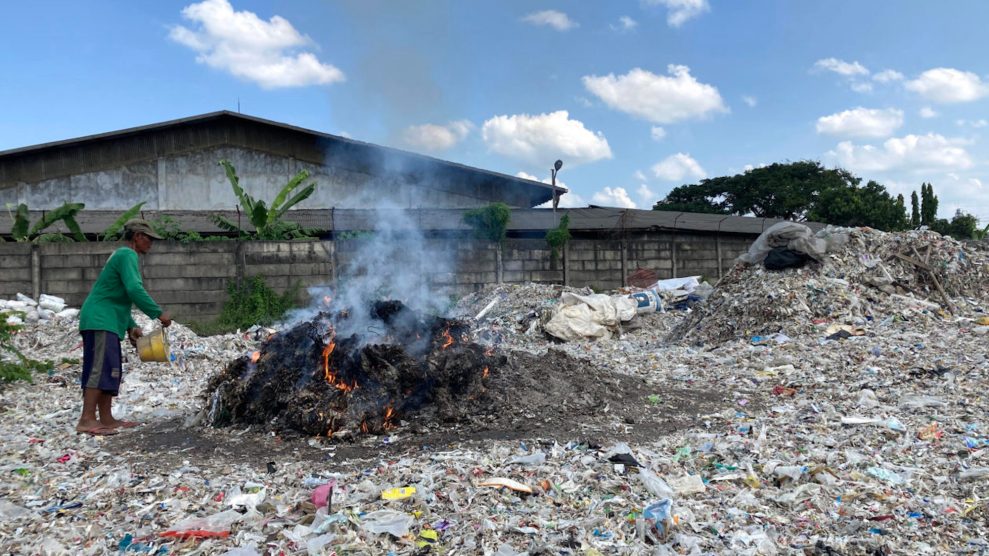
column 557, row 239
column 268, row 221
column 928, row 205
column 705, row 197
column 963, row 226
column 23, row 230
column 489, row 222
column 779, row 190
column 794, row 191
column 870, row 205
column 914, row 210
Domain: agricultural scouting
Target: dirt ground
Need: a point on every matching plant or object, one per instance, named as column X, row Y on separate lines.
column 546, row 398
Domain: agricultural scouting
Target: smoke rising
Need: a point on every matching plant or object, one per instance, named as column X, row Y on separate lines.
column 390, row 258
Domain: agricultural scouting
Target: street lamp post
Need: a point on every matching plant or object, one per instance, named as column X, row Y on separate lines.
column 556, row 168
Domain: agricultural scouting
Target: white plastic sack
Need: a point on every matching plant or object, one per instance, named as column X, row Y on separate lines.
column 588, row 316
column 50, row 302
column 68, row 313
column 686, row 283
column 791, row 235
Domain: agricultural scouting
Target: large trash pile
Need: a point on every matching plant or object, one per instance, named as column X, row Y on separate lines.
column 865, row 432
column 873, row 274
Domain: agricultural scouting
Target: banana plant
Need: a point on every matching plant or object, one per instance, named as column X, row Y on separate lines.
column 267, row 220
column 114, row 231
column 24, row 231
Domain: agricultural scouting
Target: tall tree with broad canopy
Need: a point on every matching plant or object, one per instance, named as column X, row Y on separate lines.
column 803, row 190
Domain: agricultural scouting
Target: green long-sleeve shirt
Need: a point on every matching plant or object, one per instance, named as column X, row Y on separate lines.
column 119, row 287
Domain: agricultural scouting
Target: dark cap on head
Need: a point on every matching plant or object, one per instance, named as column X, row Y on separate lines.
column 138, row 225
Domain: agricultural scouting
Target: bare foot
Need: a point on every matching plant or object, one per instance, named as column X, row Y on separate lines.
column 85, row 425
column 98, row 430
column 120, row 424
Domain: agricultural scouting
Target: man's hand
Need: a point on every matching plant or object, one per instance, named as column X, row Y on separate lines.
column 166, row 319
column 133, row 334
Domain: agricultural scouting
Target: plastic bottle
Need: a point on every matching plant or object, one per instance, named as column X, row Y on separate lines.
column 655, row 484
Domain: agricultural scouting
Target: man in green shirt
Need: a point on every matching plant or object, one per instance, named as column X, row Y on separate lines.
column 104, row 319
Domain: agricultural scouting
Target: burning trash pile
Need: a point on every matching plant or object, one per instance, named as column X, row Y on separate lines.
column 864, row 275
column 343, row 373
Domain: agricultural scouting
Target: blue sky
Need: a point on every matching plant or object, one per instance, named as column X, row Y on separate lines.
column 634, row 96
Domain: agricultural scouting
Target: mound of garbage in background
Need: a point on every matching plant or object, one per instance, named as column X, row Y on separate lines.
column 865, row 275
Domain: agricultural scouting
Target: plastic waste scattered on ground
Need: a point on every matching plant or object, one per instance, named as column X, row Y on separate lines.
column 867, row 444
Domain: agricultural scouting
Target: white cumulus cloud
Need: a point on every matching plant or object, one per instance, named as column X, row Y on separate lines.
column 911, row 152
column 647, row 197
column 434, row 137
column 551, row 18
column 542, row 138
column 861, row 87
column 613, row 197
column 681, row 11
column 887, row 76
column 659, row 99
column 657, row 133
column 972, row 123
column 269, row 53
column 928, row 112
column 677, row 167
column 862, row 122
column 625, row 23
column 841, row 67
column 948, row 85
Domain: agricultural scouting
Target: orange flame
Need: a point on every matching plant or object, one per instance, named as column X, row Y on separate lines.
column 389, row 415
column 364, row 428
column 448, row 339
column 331, row 377
column 255, row 356
column 486, row 373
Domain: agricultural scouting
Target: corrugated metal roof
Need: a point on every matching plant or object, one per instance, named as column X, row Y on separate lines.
column 324, row 220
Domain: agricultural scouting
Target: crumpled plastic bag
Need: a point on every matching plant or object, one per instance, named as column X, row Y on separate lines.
column 216, row 525
column 791, row 235
column 387, row 521
column 589, row 316
column 254, row 494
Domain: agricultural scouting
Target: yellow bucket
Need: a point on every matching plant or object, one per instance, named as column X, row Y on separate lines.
column 154, row 346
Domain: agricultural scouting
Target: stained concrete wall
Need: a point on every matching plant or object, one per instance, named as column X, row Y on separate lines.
column 191, row 279
column 195, row 181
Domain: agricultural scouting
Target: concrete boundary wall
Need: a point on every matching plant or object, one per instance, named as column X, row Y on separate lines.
column 191, row 279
